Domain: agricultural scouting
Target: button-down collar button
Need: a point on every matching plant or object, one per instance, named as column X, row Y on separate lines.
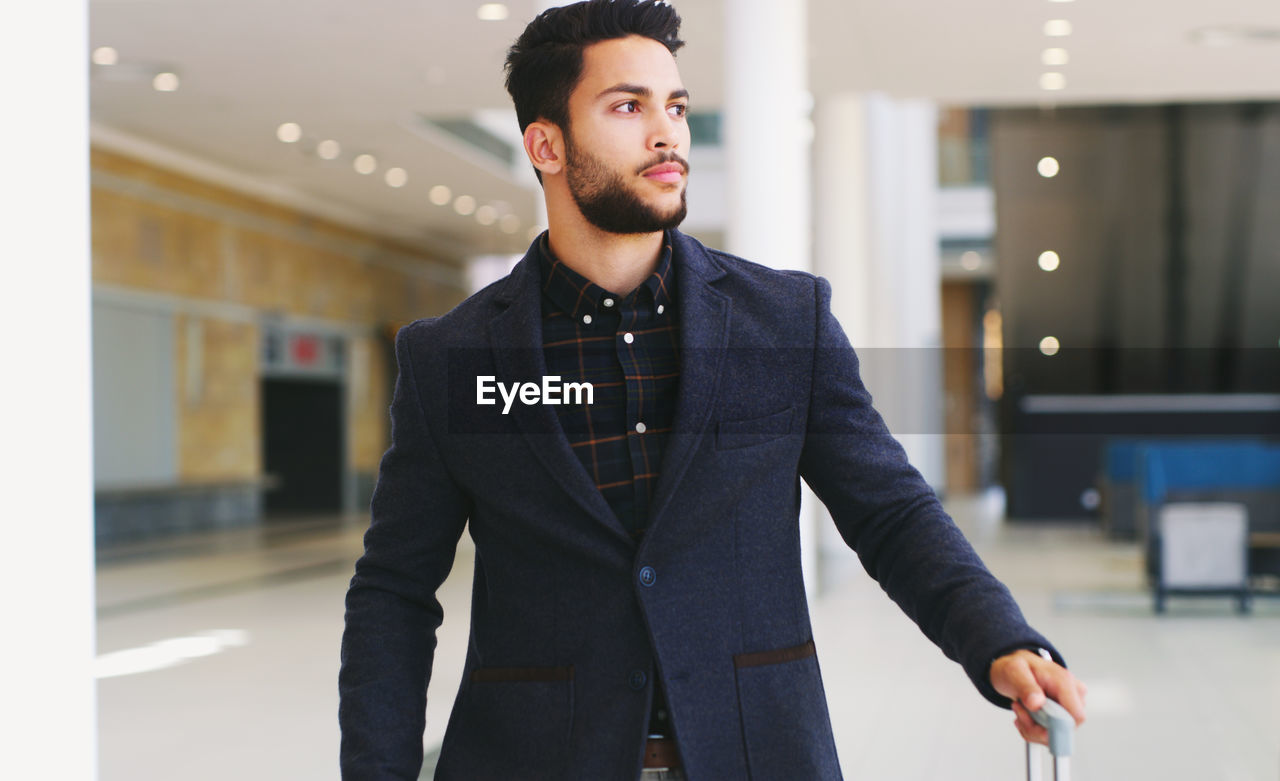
column 628, row 338
column 637, row 680
column 648, row 576
column 586, row 319
column 660, row 308
column 607, row 302
column 640, row 427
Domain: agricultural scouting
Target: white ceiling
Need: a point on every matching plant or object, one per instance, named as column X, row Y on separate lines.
column 359, row 72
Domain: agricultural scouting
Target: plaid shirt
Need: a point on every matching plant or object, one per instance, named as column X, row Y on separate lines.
column 627, row 348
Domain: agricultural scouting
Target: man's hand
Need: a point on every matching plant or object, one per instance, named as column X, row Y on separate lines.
column 1026, row 678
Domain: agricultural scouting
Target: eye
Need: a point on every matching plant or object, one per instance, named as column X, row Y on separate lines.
column 678, row 109
column 630, row 107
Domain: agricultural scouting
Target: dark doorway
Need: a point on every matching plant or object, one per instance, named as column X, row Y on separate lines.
column 302, row 446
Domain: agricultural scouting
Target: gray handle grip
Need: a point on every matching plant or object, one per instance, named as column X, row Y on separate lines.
column 1061, row 726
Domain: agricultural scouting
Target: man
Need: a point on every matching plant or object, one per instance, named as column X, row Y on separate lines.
column 638, row 608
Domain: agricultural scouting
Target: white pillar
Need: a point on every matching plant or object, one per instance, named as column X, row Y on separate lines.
column 876, row 240
column 47, row 720
column 767, row 132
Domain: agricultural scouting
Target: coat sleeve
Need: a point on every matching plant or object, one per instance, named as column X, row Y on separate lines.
column 891, row 517
column 418, row 513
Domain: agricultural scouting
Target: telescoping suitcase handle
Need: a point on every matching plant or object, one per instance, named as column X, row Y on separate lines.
column 1061, row 727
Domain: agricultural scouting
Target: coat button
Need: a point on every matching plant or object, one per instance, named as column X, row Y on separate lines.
column 648, row 576
column 638, row 680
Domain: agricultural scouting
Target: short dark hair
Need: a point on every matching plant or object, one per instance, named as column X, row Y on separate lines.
column 545, row 63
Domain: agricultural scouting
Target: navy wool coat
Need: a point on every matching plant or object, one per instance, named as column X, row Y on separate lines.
column 572, row 620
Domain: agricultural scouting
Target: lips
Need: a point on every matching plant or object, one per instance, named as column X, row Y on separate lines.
column 667, row 172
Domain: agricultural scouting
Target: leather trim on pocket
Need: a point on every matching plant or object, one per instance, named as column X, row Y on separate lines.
column 510, row 674
column 731, row 434
column 778, row 656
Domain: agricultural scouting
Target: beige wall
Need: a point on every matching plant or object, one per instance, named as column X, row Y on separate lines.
column 220, row 260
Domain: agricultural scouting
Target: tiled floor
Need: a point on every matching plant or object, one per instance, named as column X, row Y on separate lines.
column 251, row 691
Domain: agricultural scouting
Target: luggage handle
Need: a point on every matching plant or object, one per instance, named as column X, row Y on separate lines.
column 1054, row 718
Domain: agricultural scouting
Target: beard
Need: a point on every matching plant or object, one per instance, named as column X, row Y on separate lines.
column 605, row 200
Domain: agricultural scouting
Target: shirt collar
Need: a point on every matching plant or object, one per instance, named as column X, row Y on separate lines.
column 577, row 296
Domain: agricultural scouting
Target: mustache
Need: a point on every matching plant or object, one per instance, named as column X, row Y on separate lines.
column 665, row 157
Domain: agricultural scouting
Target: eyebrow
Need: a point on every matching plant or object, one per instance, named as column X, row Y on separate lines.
column 640, row 91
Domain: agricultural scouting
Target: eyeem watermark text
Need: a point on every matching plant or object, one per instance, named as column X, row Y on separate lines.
column 551, row 391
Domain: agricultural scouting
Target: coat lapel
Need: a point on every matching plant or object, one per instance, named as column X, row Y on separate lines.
column 704, row 338
column 515, row 336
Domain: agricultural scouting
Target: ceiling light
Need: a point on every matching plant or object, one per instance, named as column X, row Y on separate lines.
column 510, row 223
column 1048, row 167
column 365, row 164
column 492, row 12
column 1057, row 28
column 397, row 177
column 486, row 215
column 1049, row 261
column 464, row 205
column 1234, row 35
column 289, row 132
column 970, row 261
column 1062, row 1
column 1050, row 345
column 1055, row 57
column 105, row 55
column 165, row 82
column 1053, row 81
column 328, row 149
column 440, row 195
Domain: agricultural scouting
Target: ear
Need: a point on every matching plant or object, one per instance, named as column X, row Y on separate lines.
column 544, row 144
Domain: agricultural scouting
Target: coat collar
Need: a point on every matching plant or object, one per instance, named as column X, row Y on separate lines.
column 515, row 336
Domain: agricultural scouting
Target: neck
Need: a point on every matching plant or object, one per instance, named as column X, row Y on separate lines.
column 616, row 262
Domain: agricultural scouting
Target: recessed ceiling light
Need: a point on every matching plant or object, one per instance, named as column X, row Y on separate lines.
column 289, row 132
column 440, row 195
column 464, row 205
column 396, row 177
column 970, row 261
column 1048, row 167
column 1062, row 1
column 1055, row 57
column 509, row 223
column 165, row 82
column 1057, row 28
column 486, row 215
column 329, row 149
column 1049, row 260
column 1053, row 81
column 492, row 12
column 105, row 55
column 1050, row 345
column 365, row 164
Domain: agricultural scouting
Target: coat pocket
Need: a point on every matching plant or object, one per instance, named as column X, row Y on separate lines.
column 785, row 723
column 510, row 724
column 731, row 434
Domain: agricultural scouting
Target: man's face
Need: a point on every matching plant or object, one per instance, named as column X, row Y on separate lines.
column 626, row 147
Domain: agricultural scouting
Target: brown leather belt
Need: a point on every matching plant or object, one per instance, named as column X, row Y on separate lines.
column 661, row 752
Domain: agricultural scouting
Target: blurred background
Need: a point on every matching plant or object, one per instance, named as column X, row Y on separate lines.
column 1051, row 229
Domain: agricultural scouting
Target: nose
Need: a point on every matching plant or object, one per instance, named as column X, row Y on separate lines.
column 665, row 132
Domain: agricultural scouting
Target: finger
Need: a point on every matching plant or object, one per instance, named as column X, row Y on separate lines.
column 1061, row 685
column 1027, row 727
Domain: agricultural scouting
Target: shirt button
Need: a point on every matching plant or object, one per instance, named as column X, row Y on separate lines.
column 647, row 576
column 586, row 319
column 637, row 680
column 660, row 308
column 640, row 427
column 628, row 338
column 607, row 302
